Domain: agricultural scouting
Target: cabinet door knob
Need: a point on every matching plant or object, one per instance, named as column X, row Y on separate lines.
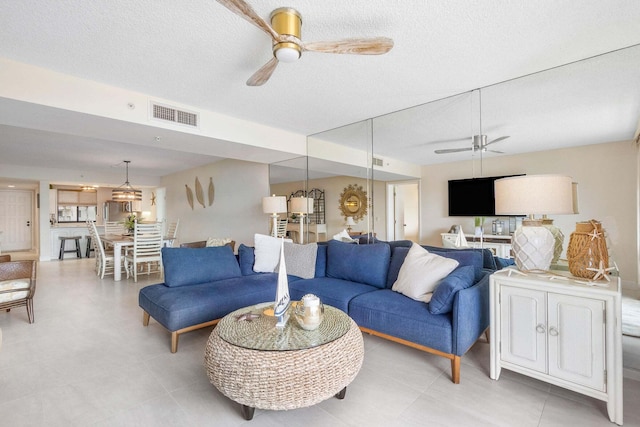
column 553, row 331
column 540, row 328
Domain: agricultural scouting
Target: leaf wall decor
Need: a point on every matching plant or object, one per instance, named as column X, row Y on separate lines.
column 189, row 196
column 199, row 192
column 211, row 191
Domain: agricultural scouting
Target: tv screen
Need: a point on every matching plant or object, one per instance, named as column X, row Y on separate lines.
column 473, row 196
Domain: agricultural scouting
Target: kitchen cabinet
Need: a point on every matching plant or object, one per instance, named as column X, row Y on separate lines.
column 67, row 197
column 559, row 329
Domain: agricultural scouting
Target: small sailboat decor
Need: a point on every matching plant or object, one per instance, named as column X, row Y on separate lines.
column 461, row 240
column 282, row 292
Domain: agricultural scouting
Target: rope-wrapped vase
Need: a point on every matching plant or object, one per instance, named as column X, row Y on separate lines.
column 587, row 249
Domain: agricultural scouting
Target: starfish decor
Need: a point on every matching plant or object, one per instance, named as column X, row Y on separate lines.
column 601, row 272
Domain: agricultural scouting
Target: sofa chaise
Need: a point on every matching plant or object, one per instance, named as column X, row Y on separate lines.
column 203, row 285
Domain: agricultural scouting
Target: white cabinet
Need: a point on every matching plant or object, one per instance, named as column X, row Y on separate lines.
column 560, row 330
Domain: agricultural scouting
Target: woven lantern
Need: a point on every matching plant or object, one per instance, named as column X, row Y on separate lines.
column 587, row 249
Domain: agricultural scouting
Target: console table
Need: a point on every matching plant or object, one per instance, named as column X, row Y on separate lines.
column 559, row 329
column 499, row 244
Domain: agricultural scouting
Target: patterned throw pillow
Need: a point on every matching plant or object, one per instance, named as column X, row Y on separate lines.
column 212, row 241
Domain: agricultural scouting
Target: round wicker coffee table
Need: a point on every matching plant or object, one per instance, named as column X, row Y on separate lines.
column 260, row 366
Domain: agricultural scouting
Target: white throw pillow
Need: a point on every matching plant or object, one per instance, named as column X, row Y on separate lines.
column 343, row 236
column 421, row 271
column 267, row 253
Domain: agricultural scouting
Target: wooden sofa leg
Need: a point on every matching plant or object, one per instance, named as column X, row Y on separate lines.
column 174, row 342
column 145, row 318
column 455, row 369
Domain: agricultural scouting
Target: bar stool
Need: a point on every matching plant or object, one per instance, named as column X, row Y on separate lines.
column 63, row 250
column 89, row 248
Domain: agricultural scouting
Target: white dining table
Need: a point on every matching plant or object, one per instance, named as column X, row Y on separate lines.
column 118, row 241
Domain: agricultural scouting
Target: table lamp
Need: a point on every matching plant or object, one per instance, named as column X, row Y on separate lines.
column 533, row 244
column 274, row 205
column 302, row 206
column 350, row 223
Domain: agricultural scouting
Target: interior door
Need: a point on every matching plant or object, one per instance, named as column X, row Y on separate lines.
column 406, row 211
column 16, row 216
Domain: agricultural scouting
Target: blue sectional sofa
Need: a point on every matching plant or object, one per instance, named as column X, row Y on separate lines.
column 203, row 285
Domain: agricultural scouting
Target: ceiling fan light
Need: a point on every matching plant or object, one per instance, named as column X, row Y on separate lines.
column 287, row 52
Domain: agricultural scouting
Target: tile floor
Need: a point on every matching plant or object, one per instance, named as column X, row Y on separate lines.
column 88, row 361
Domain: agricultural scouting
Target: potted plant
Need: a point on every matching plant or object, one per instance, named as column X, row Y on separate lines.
column 130, row 223
column 479, row 222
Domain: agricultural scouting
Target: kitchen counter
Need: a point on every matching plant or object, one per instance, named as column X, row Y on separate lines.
column 70, row 229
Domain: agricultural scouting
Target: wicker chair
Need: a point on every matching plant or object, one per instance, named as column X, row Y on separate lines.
column 18, row 285
column 5, row 258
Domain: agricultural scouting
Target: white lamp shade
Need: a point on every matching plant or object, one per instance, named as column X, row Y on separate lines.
column 350, row 221
column 274, row 204
column 302, row 205
column 534, row 194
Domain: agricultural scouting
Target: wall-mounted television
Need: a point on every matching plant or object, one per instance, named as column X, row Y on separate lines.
column 473, row 196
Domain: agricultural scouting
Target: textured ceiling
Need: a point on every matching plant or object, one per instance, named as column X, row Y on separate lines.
column 198, row 53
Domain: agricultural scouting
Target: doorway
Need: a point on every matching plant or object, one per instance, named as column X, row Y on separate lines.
column 16, row 220
column 403, row 206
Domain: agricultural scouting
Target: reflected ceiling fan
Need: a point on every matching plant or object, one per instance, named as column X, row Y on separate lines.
column 285, row 30
column 479, row 142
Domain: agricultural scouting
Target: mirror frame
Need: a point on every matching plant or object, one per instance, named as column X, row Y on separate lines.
column 353, row 202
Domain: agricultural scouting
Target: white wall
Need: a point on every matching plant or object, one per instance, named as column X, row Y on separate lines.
column 606, row 176
column 237, row 208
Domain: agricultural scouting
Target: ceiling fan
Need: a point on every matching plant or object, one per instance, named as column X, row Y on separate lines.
column 479, row 141
column 285, row 30
column 479, row 144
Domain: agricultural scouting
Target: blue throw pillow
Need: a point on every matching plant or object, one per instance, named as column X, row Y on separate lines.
column 503, row 262
column 191, row 266
column 321, row 261
column 398, row 254
column 443, row 295
column 366, row 264
column 246, row 259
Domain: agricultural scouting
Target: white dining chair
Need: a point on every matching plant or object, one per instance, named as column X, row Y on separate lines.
column 105, row 261
column 147, row 250
column 171, row 233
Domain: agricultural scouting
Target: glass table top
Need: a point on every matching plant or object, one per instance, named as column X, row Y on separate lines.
column 254, row 328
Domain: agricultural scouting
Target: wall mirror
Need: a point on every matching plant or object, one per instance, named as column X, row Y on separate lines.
column 353, row 202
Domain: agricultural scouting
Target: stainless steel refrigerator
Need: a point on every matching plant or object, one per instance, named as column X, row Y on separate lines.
column 118, row 211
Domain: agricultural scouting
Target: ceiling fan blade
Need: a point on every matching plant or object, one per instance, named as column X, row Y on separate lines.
column 452, row 150
column 373, row 46
column 262, row 75
column 496, row 140
column 441, row 141
column 242, row 9
column 495, row 151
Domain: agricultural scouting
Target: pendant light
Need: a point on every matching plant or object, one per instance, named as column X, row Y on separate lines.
column 126, row 193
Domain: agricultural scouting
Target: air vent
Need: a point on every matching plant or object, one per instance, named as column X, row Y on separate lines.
column 170, row 114
column 377, row 162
